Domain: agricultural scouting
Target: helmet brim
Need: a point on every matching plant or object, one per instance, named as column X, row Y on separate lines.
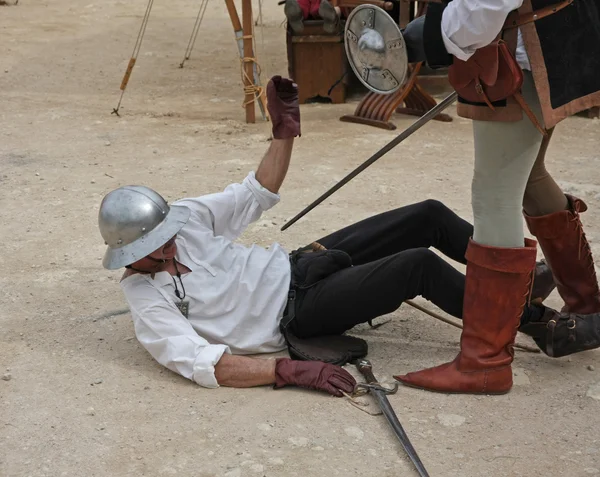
column 115, row 258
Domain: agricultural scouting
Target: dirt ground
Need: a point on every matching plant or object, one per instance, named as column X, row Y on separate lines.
column 80, row 397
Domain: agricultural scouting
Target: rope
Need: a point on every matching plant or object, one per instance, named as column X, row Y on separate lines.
column 249, row 87
column 360, row 405
column 260, row 92
column 437, row 316
column 194, row 35
column 134, row 54
column 262, row 32
column 260, row 15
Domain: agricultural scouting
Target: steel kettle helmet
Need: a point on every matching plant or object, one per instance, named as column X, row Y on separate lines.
column 134, row 221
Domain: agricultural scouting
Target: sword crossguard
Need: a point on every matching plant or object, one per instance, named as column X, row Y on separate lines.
column 378, row 387
column 365, row 368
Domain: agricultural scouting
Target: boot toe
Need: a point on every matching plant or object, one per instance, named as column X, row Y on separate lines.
column 447, row 378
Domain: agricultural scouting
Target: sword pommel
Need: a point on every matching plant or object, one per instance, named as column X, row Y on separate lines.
column 366, row 369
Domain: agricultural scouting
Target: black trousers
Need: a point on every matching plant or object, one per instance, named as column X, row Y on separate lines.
column 392, row 263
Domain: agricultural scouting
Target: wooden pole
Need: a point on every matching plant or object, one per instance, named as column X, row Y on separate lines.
column 233, row 15
column 239, row 38
column 248, row 65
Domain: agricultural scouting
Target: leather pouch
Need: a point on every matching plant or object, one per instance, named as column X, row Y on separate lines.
column 491, row 74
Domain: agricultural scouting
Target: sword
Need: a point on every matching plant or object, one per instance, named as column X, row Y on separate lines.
column 365, row 368
column 433, row 112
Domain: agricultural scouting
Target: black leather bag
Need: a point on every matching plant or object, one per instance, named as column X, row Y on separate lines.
column 309, row 266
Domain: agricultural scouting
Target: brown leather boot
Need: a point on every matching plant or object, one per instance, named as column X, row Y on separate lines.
column 497, row 287
column 568, row 254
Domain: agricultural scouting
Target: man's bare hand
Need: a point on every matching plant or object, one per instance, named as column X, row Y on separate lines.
column 283, row 106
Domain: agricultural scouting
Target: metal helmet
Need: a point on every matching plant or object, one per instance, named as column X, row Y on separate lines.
column 134, row 222
column 376, row 49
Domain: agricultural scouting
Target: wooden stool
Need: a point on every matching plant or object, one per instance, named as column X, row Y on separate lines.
column 316, row 62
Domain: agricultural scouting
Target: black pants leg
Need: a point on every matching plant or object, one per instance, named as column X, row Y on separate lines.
column 392, row 264
column 425, row 224
column 364, row 292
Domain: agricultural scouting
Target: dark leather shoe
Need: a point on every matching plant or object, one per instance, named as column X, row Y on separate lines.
column 561, row 334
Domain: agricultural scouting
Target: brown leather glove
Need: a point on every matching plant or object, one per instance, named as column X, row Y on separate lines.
column 282, row 103
column 313, row 375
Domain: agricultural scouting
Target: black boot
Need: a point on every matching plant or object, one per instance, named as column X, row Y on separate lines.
column 561, row 334
column 543, row 282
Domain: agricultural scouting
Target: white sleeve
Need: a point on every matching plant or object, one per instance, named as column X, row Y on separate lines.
column 468, row 25
column 229, row 213
column 169, row 337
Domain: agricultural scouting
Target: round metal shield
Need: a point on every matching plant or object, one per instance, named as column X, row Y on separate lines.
column 376, row 49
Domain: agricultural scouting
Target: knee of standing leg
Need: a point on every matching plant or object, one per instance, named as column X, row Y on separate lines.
column 486, row 193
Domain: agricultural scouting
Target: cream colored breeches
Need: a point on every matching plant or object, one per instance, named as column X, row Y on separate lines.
column 509, row 176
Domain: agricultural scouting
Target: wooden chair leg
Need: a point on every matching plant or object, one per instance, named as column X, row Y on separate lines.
column 377, row 109
column 418, row 102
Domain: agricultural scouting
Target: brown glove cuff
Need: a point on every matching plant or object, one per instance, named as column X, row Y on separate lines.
column 285, row 369
column 287, row 127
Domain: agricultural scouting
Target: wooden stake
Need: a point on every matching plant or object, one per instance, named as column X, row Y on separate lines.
column 248, row 65
column 239, row 38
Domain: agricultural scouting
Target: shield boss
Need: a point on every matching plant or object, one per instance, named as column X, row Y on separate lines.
column 376, row 49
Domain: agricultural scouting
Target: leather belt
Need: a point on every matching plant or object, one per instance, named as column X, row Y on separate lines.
column 515, row 20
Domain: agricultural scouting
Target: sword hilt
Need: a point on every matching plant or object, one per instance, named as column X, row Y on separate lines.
column 366, row 369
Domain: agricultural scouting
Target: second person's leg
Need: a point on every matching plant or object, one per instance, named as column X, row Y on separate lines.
column 500, row 261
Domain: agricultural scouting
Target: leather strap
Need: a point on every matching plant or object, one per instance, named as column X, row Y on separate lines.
column 532, row 117
column 550, row 338
column 514, row 21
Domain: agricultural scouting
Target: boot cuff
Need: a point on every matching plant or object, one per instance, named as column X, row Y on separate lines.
column 552, row 226
column 503, row 259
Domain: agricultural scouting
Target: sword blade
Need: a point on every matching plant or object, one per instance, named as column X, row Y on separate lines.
column 438, row 108
column 393, row 421
column 366, row 369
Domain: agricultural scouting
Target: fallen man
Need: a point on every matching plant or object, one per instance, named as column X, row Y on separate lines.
column 200, row 301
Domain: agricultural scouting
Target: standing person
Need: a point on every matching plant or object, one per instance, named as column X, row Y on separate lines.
column 557, row 45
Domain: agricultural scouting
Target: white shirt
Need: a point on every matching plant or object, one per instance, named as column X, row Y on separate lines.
column 468, row 25
column 236, row 294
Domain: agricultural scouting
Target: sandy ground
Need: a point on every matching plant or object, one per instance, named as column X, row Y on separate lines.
column 80, row 397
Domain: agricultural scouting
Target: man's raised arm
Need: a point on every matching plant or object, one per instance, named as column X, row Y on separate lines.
column 229, row 212
column 282, row 103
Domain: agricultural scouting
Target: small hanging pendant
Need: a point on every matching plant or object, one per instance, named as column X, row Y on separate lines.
column 184, row 307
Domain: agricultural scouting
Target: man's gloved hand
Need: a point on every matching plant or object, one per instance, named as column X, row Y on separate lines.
column 413, row 37
column 313, row 375
column 282, row 103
